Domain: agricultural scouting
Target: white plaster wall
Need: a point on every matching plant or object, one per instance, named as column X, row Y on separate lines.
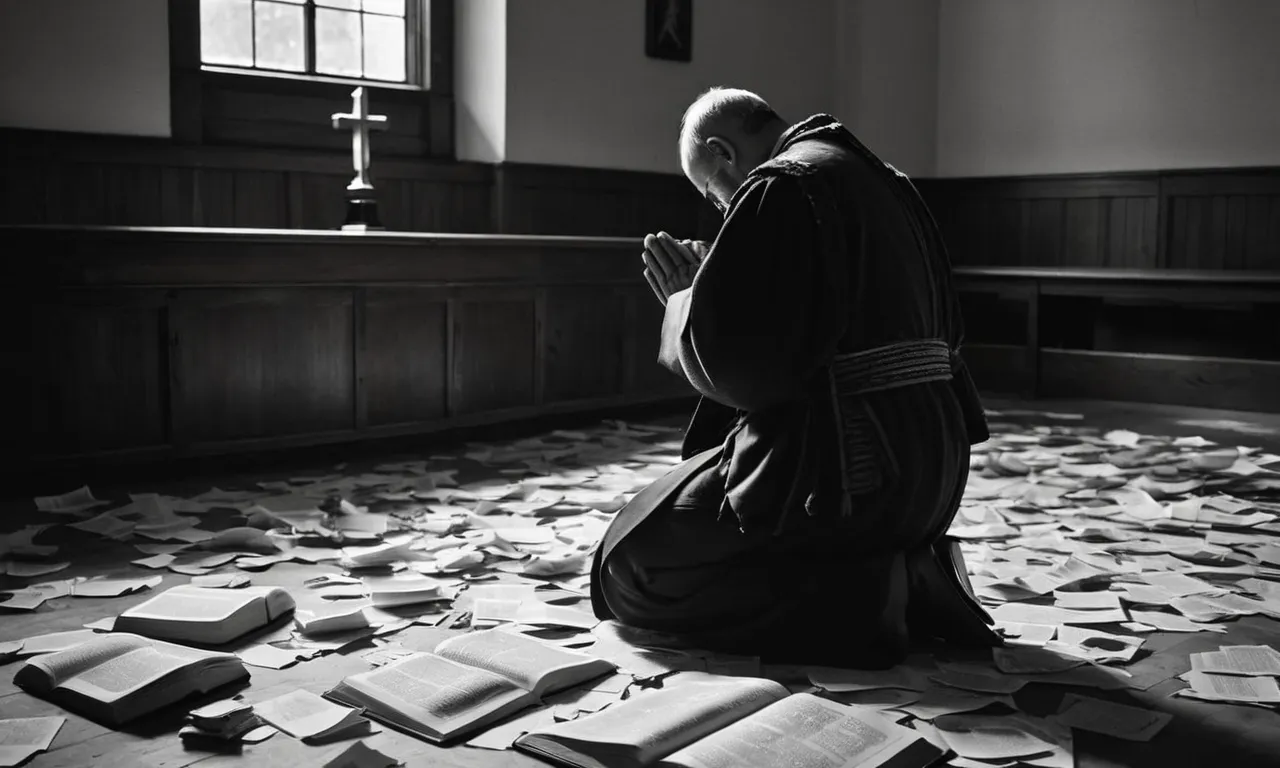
column 887, row 85
column 90, row 66
column 1074, row 86
column 580, row 91
column 480, row 80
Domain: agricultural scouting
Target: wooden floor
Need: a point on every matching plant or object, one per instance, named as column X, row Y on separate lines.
column 1201, row 734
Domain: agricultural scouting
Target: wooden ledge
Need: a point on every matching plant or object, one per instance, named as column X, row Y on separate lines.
column 1162, row 276
column 312, row 236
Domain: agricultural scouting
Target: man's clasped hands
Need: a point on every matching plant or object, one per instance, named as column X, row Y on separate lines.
column 670, row 264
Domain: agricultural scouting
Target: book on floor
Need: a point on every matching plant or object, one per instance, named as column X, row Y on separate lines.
column 206, row 616
column 705, row 721
column 466, row 683
column 120, row 677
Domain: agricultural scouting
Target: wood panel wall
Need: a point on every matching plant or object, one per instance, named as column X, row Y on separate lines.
column 97, row 181
column 178, row 343
column 547, row 200
column 1205, row 220
column 1224, row 219
column 111, row 181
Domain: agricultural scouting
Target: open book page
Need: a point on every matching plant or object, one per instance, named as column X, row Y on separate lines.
column 801, row 731
column 433, row 690
column 128, row 672
column 523, row 660
column 62, row 666
column 653, row 724
column 191, row 604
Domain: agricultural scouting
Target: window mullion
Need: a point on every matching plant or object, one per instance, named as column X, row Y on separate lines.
column 415, row 16
column 415, row 56
column 309, row 21
column 364, row 67
column 253, row 32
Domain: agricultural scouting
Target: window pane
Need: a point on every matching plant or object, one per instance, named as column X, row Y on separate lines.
column 226, row 32
column 389, row 7
column 338, row 43
column 384, row 48
column 279, row 36
column 352, row 4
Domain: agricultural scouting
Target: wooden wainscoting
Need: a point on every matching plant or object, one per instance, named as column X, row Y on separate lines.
column 1203, row 220
column 544, row 200
column 1221, row 221
column 153, row 343
column 1216, row 219
column 95, row 180
column 1174, row 337
column 81, row 180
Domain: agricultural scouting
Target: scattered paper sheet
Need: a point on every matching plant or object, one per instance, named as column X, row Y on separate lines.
column 941, row 700
column 114, row 587
column 1248, row 660
column 304, row 715
column 70, row 503
column 989, row 738
column 841, row 680
column 1110, row 718
column 22, row 737
column 1063, row 532
column 1231, row 688
column 1023, row 613
column 267, row 656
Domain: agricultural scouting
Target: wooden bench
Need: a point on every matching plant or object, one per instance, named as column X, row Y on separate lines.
column 1208, row 339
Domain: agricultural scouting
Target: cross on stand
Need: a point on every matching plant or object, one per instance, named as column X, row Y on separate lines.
column 362, row 206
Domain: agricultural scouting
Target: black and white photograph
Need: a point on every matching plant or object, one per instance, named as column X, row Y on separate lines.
column 474, row 384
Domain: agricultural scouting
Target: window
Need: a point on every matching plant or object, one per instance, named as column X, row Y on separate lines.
column 269, row 73
column 374, row 40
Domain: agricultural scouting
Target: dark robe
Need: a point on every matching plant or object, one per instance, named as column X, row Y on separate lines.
column 807, row 521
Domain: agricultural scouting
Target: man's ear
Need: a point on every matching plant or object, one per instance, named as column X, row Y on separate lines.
column 720, row 147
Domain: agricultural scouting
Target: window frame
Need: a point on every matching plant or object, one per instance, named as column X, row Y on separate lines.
column 417, row 75
column 204, row 98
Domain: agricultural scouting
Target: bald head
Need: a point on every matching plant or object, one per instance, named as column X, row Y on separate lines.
column 724, row 135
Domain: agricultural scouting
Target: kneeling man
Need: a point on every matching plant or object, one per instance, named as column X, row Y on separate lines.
column 830, row 449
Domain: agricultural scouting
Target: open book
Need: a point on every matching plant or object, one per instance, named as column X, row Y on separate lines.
column 466, row 683
column 117, row 677
column 710, row 721
column 204, row 616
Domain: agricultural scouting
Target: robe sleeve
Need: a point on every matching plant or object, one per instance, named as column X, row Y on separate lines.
column 766, row 309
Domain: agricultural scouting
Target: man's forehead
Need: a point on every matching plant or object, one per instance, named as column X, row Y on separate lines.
column 697, row 165
column 699, row 173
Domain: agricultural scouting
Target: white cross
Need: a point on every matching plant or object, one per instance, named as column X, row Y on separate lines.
column 360, row 122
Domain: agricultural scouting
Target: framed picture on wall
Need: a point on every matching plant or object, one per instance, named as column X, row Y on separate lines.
column 668, row 29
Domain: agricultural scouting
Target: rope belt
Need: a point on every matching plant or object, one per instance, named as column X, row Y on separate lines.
column 891, row 366
column 860, row 437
